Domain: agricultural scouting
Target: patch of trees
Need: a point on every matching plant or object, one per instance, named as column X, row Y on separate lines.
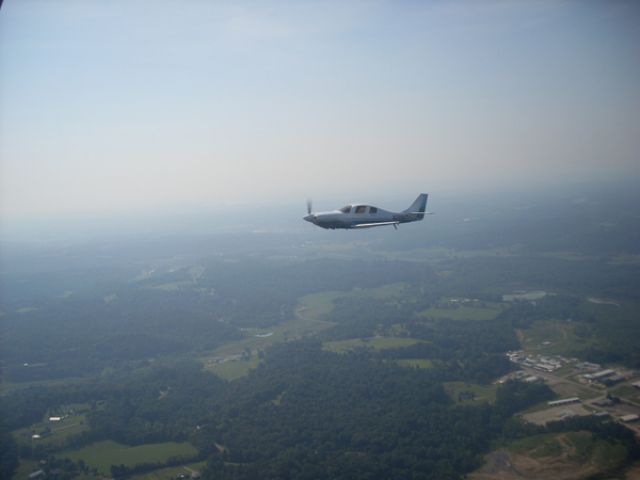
column 171, row 313
column 165, row 403
column 8, row 452
column 307, row 413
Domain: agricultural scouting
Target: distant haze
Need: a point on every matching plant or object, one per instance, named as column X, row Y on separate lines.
column 127, row 106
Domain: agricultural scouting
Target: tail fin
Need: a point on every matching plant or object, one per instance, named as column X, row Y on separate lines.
column 419, row 205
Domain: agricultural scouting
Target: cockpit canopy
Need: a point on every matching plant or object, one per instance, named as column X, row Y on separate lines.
column 358, row 209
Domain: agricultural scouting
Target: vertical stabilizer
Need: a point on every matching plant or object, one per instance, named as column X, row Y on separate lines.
column 419, row 206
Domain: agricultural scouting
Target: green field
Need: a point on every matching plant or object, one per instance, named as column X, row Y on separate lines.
column 101, row 455
column 627, row 392
column 258, row 339
column 310, row 318
column 59, row 431
column 486, row 311
column 415, row 363
column 8, row 387
column 234, row 368
column 174, row 286
column 170, row 473
column 318, row 305
column 375, row 343
column 483, row 393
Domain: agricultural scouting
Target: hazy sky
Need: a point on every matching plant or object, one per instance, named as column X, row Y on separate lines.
column 136, row 105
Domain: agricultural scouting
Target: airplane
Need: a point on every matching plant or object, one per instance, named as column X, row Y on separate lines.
column 367, row 216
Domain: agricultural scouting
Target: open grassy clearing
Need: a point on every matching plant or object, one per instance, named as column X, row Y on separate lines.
column 318, row 305
column 543, row 414
column 481, row 393
column 232, row 369
column 415, row 363
column 483, row 311
column 101, row 455
column 173, row 286
column 8, row 387
column 170, row 473
column 554, row 337
column 53, row 434
column 257, row 338
column 235, row 359
column 375, row 343
column 627, row 392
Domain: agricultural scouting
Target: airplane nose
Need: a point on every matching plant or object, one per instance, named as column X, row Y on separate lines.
column 310, row 218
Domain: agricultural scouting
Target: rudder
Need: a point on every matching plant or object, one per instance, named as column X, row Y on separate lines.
column 419, row 205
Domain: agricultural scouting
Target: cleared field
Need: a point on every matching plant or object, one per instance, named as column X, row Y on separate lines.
column 318, row 305
column 173, row 286
column 481, row 393
column 310, row 318
column 542, row 417
column 578, row 446
column 555, row 337
column 170, row 473
column 562, row 456
column 375, row 343
column 487, row 311
column 56, row 434
column 222, row 360
column 627, row 392
column 233, row 369
column 8, row 387
column 101, row 455
column 415, row 363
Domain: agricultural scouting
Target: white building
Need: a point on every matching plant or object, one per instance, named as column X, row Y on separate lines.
column 563, row 401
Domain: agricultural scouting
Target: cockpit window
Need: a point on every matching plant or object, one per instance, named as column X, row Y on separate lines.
column 346, row 209
column 361, row 208
column 373, row 210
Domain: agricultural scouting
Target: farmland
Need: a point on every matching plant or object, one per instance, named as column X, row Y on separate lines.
column 374, row 343
column 475, row 311
column 102, row 455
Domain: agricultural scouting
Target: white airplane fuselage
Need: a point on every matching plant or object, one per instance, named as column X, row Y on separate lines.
column 367, row 216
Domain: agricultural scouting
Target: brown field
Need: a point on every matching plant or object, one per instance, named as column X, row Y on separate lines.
column 555, row 413
column 564, row 456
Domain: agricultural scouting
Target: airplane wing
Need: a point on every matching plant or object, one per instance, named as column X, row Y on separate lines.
column 369, row 225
